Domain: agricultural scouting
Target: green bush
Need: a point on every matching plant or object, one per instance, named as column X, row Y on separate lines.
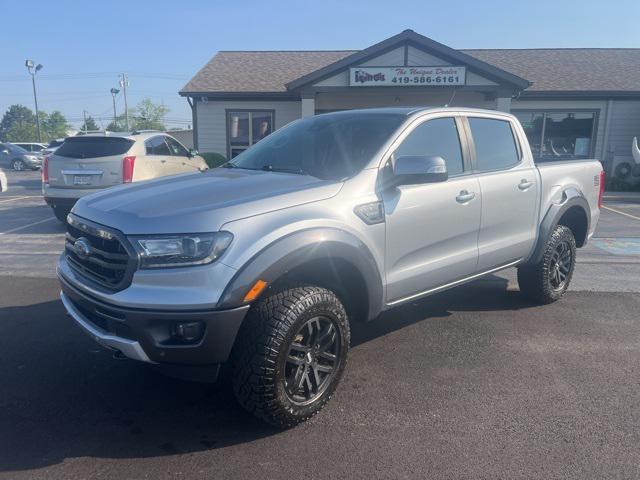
column 213, row 159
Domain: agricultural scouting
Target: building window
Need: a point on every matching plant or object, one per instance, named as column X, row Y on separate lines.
column 246, row 127
column 559, row 135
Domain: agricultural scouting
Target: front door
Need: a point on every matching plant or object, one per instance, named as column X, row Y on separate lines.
column 431, row 229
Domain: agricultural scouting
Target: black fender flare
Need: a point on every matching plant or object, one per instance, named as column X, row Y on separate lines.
column 296, row 249
column 571, row 197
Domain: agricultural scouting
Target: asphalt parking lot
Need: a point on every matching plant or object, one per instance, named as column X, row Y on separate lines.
column 471, row 383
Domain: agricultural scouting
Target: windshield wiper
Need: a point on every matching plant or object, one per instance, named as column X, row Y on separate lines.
column 271, row 168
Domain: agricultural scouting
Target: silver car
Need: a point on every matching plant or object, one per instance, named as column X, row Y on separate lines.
column 265, row 262
column 17, row 158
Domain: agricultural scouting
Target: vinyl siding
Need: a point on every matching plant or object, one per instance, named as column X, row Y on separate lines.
column 625, row 124
column 212, row 129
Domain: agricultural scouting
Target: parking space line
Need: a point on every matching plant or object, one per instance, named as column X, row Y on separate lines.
column 16, row 198
column 27, row 226
column 621, row 213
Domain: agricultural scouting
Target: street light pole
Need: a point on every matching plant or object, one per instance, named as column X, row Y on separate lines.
column 124, row 83
column 114, row 92
column 32, row 71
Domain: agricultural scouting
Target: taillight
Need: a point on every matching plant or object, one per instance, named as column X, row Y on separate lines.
column 127, row 169
column 45, row 170
column 601, row 191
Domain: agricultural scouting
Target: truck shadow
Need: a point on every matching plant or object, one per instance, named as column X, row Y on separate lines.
column 487, row 294
column 64, row 397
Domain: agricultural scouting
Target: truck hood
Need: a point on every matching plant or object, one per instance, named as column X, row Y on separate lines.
column 200, row 202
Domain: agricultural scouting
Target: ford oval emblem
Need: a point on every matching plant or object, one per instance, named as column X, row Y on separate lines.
column 82, row 247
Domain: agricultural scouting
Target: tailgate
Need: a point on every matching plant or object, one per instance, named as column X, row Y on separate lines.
column 88, row 162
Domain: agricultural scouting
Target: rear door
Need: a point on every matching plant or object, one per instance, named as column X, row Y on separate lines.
column 509, row 185
column 88, row 162
column 432, row 229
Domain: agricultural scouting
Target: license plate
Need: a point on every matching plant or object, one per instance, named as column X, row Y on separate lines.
column 82, row 180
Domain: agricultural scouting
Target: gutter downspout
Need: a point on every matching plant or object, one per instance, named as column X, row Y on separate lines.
column 194, row 119
column 605, row 143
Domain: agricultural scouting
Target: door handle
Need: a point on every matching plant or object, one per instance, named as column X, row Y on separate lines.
column 464, row 196
column 163, row 161
column 524, row 184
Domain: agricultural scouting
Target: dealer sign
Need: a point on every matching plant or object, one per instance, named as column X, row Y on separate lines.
column 406, row 76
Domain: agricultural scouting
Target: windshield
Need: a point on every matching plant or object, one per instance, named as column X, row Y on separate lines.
column 329, row 147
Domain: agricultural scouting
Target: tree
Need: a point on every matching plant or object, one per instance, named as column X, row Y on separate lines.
column 53, row 125
column 89, row 125
column 119, row 125
column 145, row 116
column 149, row 116
column 18, row 125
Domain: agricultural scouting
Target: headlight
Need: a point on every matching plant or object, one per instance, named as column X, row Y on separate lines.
column 32, row 158
column 157, row 251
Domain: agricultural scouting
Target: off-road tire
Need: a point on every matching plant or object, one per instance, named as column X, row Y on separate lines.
column 259, row 359
column 536, row 281
column 61, row 213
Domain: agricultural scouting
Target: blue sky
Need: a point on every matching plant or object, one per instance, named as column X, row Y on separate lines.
column 161, row 44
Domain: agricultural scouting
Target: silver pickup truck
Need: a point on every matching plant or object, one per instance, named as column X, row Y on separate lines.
column 263, row 263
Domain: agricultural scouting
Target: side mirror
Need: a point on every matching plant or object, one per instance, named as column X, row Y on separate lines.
column 5, row 151
column 193, row 152
column 417, row 169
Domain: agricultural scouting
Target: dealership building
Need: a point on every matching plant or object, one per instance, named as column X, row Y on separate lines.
column 573, row 103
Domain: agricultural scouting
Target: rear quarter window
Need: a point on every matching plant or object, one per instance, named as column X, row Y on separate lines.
column 93, row 147
column 495, row 144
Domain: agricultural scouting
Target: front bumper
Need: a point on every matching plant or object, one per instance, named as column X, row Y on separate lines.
column 144, row 335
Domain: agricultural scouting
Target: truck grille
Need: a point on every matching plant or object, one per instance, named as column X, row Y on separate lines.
column 99, row 254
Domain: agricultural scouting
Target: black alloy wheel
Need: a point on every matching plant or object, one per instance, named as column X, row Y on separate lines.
column 312, row 360
column 560, row 265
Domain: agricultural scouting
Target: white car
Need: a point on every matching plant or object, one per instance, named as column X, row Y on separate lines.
column 31, row 146
column 87, row 163
column 4, row 183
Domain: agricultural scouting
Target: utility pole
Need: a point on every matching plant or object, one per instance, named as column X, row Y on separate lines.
column 114, row 92
column 124, row 83
column 32, row 71
column 84, row 117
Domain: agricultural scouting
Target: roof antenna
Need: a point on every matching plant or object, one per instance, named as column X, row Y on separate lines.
column 453, row 95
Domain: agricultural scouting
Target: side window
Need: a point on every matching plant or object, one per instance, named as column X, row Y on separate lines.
column 176, row 148
column 157, row 146
column 495, row 144
column 435, row 137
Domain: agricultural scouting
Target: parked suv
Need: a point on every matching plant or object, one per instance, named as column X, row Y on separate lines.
column 18, row 158
column 87, row 163
column 265, row 262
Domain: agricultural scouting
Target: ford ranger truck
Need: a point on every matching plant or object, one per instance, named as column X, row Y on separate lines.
column 263, row 263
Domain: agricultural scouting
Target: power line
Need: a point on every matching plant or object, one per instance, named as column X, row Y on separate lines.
column 80, row 76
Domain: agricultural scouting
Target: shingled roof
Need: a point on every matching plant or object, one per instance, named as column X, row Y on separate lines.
column 549, row 70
